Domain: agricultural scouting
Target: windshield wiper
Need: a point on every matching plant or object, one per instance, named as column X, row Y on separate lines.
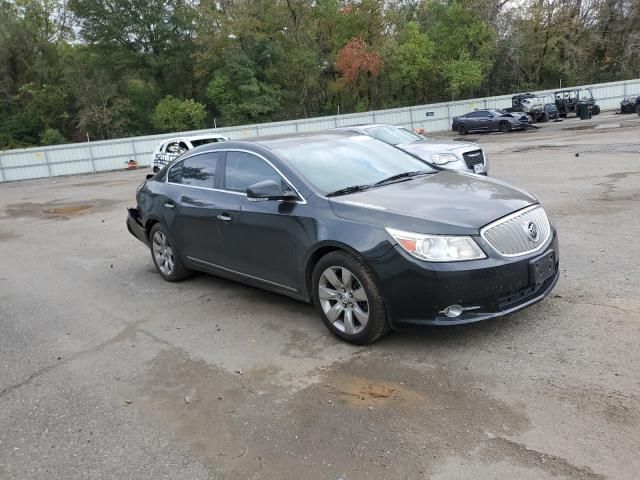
column 401, row 176
column 347, row 190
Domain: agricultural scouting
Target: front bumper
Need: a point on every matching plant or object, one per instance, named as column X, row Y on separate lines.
column 417, row 292
column 135, row 226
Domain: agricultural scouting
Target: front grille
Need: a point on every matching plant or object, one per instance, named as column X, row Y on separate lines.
column 473, row 158
column 512, row 235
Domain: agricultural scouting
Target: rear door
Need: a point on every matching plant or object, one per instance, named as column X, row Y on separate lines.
column 259, row 238
column 193, row 206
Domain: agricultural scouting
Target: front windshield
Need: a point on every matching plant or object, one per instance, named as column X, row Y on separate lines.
column 336, row 164
column 393, row 135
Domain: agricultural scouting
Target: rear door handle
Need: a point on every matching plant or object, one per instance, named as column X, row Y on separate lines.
column 169, row 205
column 224, row 217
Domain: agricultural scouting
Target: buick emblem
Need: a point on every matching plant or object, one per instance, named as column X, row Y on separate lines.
column 531, row 229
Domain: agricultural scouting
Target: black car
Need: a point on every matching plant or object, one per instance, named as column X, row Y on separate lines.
column 489, row 121
column 551, row 109
column 373, row 236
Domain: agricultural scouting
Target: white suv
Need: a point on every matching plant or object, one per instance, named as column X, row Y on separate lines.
column 173, row 147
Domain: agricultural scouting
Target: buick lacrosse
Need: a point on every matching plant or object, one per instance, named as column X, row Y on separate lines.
column 374, row 237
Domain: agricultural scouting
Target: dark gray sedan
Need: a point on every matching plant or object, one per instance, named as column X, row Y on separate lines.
column 489, row 121
column 371, row 235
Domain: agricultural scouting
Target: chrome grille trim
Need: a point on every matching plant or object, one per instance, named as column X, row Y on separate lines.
column 508, row 236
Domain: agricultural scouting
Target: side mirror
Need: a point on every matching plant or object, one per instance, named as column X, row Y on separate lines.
column 269, row 190
column 150, row 176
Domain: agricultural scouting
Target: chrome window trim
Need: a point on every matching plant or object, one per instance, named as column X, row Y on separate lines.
column 302, row 200
column 511, row 216
column 193, row 259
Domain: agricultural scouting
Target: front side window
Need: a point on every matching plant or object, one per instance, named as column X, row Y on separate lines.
column 196, row 171
column 244, row 169
column 393, row 135
column 336, row 164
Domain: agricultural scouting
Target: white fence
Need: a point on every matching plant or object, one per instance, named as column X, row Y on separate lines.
column 92, row 157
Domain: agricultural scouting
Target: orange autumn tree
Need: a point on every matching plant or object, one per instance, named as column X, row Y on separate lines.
column 357, row 64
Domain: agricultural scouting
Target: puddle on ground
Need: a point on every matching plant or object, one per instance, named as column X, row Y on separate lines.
column 398, row 421
column 7, row 236
column 57, row 209
column 581, row 127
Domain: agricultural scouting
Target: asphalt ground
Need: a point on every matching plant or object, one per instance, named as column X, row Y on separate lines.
column 108, row 372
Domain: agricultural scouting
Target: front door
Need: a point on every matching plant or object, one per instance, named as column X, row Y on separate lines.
column 259, row 238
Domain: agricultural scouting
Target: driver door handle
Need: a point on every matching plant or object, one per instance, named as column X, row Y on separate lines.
column 224, row 217
column 169, row 205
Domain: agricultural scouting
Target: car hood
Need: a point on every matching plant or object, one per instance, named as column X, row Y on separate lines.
column 442, row 203
column 436, row 146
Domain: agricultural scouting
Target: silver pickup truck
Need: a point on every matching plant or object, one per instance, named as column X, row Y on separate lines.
column 461, row 156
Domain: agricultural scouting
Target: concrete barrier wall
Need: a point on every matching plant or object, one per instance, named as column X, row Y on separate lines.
column 100, row 156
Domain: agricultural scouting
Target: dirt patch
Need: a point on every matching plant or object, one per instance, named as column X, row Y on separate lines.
column 57, row 209
column 362, row 392
column 68, row 210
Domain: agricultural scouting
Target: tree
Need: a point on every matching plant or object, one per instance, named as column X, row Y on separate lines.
column 175, row 115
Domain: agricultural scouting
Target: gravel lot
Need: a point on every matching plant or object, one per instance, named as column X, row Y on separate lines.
column 107, row 371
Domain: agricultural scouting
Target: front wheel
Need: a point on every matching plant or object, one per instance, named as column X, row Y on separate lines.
column 595, row 110
column 348, row 299
column 504, row 127
column 462, row 129
column 165, row 256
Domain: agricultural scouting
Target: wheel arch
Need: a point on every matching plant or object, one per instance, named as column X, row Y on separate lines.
column 320, row 251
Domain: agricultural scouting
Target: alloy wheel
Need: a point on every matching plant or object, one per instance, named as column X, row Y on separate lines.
column 163, row 253
column 343, row 300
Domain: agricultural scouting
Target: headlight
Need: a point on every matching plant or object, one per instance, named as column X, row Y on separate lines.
column 437, row 248
column 442, row 158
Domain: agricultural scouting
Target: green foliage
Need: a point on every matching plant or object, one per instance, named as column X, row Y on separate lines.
column 462, row 75
column 110, row 68
column 175, row 115
column 51, row 136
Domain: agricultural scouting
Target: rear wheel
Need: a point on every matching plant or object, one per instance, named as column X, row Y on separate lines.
column 504, row 126
column 165, row 257
column 595, row 110
column 545, row 117
column 347, row 297
column 462, row 129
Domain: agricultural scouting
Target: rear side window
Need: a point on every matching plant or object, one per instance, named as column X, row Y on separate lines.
column 476, row 115
column 244, row 169
column 196, row 171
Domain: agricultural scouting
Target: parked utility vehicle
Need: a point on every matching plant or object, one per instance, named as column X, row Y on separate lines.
column 571, row 101
column 531, row 105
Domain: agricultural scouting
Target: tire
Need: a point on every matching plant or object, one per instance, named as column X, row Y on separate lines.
column 563, row 115
column 504, row 127
column 165, row 256
column 462, row 129
column 595, row 110
column 156, row 169
column 348, row 299
column 545, row 117
column 531, row 119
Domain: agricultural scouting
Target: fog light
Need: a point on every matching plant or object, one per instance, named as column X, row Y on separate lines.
column 453, row 311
